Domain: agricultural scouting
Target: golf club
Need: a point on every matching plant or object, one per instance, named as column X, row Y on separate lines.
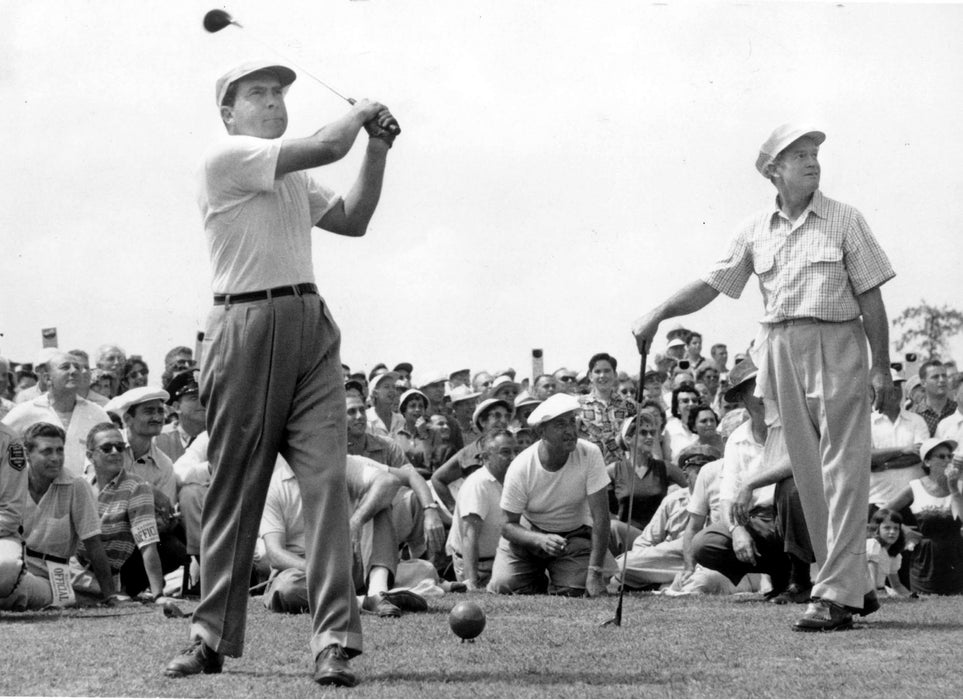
column 216, row 20
column 617, row 620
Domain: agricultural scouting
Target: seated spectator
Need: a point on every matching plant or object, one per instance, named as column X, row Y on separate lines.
column 603, row 409
column 184, row 400
column 936, row 503
column 383, row 420
column 413, row 438
column 652, row 478
column 655, row 556
column 478, row 517
column 558, row 485
column 677, row 435
column 143, row 412
column 125, row 504
column 489, row 414
column 415, row 513
column 59, row 514
column 702, row 423
column 897, row 435
column 61, row 406
column 371, row 490
column 13, row 502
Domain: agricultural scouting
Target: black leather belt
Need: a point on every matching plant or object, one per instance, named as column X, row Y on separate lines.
column 287, row 290
column 46, row 557
column 480, row 559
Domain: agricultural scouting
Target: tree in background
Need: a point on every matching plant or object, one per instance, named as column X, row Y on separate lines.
column 927, row 328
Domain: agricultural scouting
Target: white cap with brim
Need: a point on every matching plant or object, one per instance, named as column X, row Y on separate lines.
column 931, row 444
column 378, row 379
column 463, row 393
column 142, row 394
column 410, row 394
column 432, row 377
column 554, row 406
column 782, row 137
column 485, row 406
column 284, row 74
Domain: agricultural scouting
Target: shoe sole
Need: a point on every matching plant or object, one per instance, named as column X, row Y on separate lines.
column 180, row 674
column 833, row 628
column 407, row 601
column 339, row 679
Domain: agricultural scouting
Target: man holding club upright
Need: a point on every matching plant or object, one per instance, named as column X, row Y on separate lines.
column 820, row 270
column 271, row 379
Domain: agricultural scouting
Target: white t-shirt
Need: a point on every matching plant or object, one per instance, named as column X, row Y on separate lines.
column 885, row 564
column 743, row 458
column 907, row 430
column 480, row 495
column 258, row 228
column 555, row 501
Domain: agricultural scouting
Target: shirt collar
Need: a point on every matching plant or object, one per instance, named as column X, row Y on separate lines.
column 817, row 205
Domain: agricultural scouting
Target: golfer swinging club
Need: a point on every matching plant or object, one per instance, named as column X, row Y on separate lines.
column 271, row 377
column 820, row 270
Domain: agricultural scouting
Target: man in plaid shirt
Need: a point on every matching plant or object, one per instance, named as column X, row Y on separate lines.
column 820, row 270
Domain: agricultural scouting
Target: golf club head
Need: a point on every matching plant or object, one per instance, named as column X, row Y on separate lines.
column 614, row 622
column 216, row 20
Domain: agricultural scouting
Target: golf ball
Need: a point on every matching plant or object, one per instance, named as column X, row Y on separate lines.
column 467, row 620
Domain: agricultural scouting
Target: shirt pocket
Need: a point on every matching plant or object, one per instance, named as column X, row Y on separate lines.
column 763, row 257
column 827, row 263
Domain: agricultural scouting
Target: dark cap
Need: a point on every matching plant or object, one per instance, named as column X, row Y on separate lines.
column 696, row 455
column 404, row 367
column 738, row 376
column 183, row 383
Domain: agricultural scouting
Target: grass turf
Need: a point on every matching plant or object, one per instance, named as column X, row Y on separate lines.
column 531, row 647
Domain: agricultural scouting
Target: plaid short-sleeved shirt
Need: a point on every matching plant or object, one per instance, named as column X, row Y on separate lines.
column 813, row 267
column 126, row 507
column 600, row 422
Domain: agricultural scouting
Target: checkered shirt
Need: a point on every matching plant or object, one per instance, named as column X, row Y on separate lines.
column 933, row 418
column 600, row 422
column 814, row 267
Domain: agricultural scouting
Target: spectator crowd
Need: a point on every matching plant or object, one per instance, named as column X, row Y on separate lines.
column 573, row 483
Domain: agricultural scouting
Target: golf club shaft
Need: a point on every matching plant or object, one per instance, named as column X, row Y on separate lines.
column 635, row 458
column 292, row 62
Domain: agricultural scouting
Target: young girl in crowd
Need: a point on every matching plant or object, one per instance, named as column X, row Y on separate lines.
column 883, row 553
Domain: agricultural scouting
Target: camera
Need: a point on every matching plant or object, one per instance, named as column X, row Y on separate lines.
column 911, row 357
column 683, row 364
column 898, row 366
column 537, row 353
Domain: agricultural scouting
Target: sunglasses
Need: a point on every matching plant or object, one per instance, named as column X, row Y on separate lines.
column 109, row 447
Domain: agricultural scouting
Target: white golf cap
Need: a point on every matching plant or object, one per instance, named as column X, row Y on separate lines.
column 526, row 399
column 142, row 394
column 463, row 393
column 485, row 406
column 410, row 394
column 554, row 406
column 780, row 138
column 432, row 377
column 931, row 444
column 284, row 74
column 378, row 379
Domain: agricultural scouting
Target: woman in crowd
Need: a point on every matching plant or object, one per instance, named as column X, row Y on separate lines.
column 135, row 374
column 414, row 438
column 652, row 476
column 677, row 435
column 936, row 503
column 703, row 423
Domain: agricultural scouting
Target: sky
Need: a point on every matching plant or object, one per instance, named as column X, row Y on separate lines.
column 563, row 167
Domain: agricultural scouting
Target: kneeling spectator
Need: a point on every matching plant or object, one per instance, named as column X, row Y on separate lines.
column 559, row 485
column 478, row 518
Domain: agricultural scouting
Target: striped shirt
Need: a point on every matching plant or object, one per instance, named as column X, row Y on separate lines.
column 126, row 507
column 813, row 267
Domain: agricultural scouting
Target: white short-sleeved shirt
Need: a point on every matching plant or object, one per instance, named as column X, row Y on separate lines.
column 742, row 458
column 283, row 509
column 885, row 564
column 555, row 501
column 907, row 430
column 258, row 228
column 480, row 495
column 705, row 494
